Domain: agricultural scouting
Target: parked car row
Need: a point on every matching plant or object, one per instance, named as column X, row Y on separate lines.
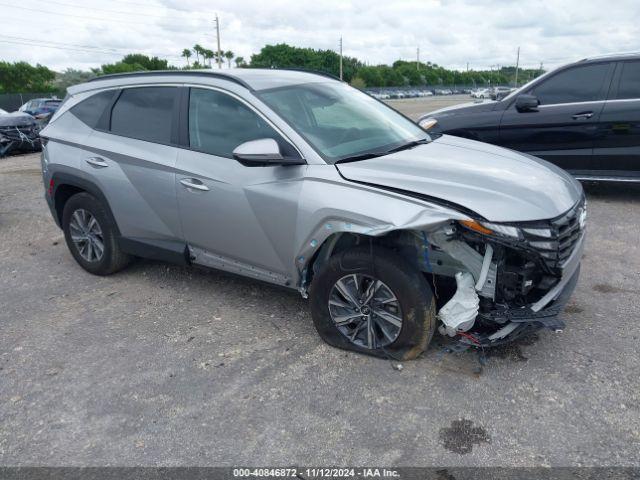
column 19, row 131
column 392, row 94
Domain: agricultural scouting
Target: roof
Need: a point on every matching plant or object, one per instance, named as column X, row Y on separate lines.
column 251, row 78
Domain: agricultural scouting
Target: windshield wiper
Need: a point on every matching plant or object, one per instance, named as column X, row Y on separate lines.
column 409, row 145
column 367, row 155
column 361, row 156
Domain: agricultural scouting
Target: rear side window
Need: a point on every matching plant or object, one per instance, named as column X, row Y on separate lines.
column 218, row 123
column 629, row 86
column 577, row 84
column 145, row 113
column 91, row 109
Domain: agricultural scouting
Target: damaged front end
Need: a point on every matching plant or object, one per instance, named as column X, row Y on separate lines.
column 510, row 279
column 18, row 132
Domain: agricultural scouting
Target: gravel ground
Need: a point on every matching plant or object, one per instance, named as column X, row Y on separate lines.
column 164, row 365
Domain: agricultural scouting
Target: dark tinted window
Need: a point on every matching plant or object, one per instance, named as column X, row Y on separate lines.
column 91, row 109
column 144, row 113
column 629, row 86
column 218, row 123
column 577, row 84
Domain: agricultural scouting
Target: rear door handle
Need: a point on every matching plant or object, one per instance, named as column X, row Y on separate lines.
column 194, row 183
column 97, row 162
column 584, row 115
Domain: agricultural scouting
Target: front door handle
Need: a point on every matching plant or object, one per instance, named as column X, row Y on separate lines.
column 97, row 162
column 582, row 115
column 194, row 183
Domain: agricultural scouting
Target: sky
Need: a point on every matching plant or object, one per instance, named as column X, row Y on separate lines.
column 483, row 33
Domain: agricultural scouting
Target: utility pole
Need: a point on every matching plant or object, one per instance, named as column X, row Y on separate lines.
column 467, row 67
column 418, row 59
column 517, row 64
column 340, row 58
column 219, row 56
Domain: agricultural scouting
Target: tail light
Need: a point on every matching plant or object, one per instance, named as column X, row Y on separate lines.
column 51, row 186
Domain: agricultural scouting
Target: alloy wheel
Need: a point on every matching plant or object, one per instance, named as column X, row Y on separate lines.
column 86, row 235
column 365, row 310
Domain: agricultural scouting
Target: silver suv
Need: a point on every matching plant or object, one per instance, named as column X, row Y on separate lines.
column 299, row 180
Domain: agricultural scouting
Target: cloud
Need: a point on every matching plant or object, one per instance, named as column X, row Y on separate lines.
column 448, row 32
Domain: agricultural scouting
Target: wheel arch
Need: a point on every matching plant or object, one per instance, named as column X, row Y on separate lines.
column 66, row 185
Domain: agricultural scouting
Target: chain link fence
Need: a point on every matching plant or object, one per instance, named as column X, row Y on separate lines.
column 12, row 101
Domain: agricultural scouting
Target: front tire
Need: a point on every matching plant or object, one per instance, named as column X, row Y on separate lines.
column 371, row 300
column 91, row 236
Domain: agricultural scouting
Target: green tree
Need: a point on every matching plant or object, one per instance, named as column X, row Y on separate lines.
column 197, row 48
column 240, row 62
column 186, row 53
column 229, row 56
column 71, row 77
column 21, row 77
column 208, row 55
column 133, row 62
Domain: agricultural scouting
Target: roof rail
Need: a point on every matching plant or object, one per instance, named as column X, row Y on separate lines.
column 152, row 73
column 611, row 55
column 315, row 72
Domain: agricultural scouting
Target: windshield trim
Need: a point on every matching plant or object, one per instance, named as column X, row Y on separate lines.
column 331, row 161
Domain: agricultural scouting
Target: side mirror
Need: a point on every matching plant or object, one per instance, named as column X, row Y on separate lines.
column 262, row 152
column 527, row 103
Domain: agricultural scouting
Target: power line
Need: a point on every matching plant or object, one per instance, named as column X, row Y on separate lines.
column 71, row 47
column 113, row 20
column 119, row 12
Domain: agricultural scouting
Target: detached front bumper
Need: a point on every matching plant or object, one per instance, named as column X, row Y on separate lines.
column 545, row 313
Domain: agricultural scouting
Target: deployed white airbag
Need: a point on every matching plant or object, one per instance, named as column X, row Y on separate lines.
column 459, row 313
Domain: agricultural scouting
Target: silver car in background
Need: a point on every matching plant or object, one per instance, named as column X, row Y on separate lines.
column 299, row 180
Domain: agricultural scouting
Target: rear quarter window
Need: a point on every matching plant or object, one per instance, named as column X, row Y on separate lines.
column 91, row 109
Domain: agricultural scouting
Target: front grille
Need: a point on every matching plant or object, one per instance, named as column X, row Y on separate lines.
column 557, row 239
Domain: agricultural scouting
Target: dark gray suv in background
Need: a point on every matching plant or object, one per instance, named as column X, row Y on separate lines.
column 583, row 117
column 299, row 180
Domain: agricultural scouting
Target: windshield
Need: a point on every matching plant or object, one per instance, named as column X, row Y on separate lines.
column 341, row 122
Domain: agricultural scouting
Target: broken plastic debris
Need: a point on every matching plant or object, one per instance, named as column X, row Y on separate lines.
column 459, row 313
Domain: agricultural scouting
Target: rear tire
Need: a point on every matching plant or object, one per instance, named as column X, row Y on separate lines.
column 402, row 294
column 91, row 235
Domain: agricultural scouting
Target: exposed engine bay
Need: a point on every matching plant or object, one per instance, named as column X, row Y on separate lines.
column 509, row 279
column 493, row 283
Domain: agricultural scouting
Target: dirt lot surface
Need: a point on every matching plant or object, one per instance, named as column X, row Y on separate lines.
column 164, row 365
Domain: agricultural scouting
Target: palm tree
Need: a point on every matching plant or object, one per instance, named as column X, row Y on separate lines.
column 186, row 53
column 240, row 62
column 208, row 55
column 198, row 49
column 229, row 56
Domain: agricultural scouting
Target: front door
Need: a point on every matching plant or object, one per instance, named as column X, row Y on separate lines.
column 564, row 127
column 235, row 217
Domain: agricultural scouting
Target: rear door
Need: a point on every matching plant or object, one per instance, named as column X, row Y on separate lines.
column 564, row 128
column 235, row 217
column 617, row 147
column 131, row 156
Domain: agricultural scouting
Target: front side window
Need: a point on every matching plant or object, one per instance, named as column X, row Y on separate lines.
column 340, row 121
column 576, row 84
column 629, row 86
column 144, row 113
column 218, row 123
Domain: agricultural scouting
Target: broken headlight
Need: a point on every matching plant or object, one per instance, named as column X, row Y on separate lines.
column 495, row 229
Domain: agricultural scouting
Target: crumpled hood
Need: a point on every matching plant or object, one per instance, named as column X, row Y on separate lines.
column 499, row 184
column 16, row 119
